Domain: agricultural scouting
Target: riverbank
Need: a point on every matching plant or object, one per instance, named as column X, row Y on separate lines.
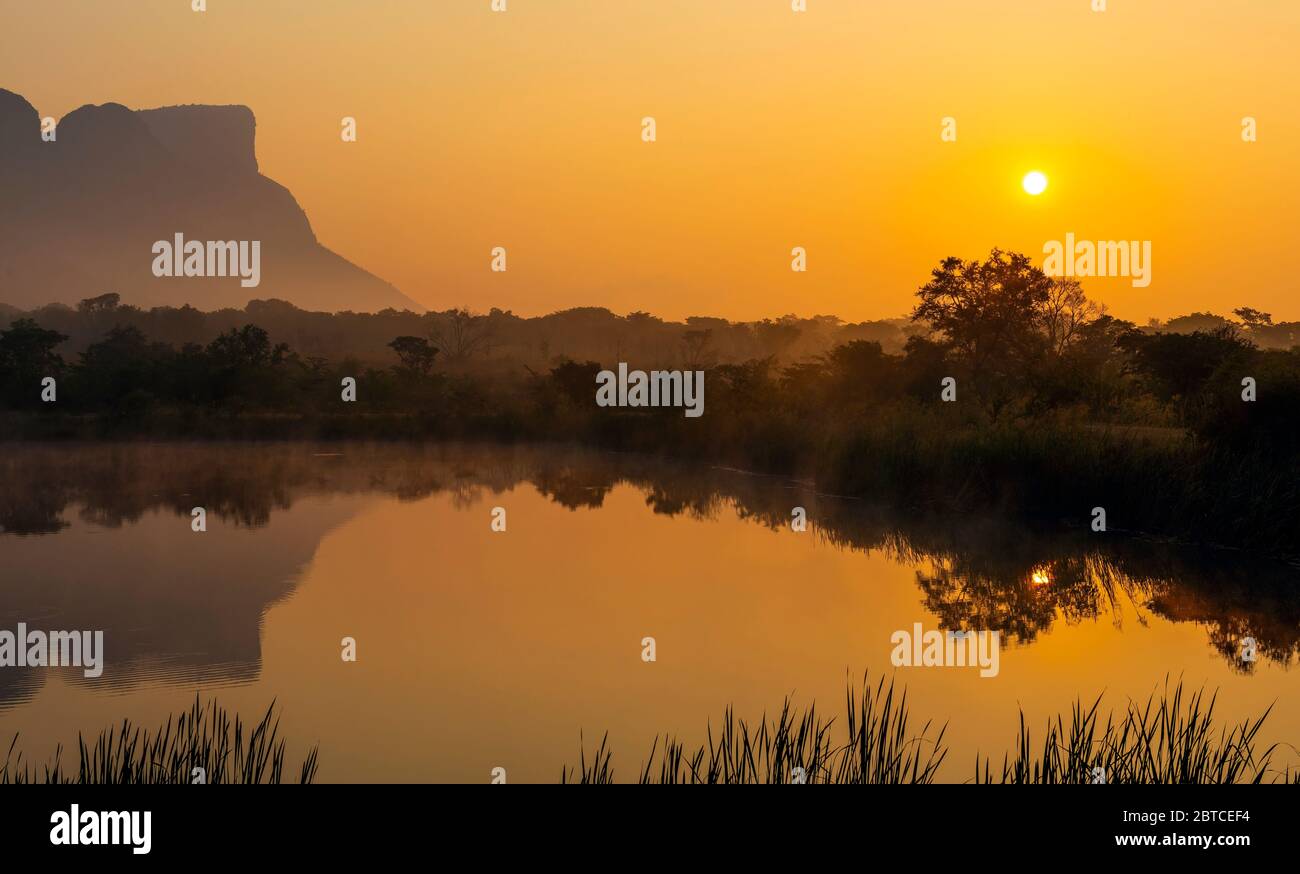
column 1155, row 481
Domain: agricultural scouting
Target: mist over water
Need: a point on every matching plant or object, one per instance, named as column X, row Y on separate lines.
column 479, row 649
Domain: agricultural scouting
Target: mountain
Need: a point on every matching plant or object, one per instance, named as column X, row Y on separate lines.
column 79, row 216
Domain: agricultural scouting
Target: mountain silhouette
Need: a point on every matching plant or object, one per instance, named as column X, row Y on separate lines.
column 79, row 215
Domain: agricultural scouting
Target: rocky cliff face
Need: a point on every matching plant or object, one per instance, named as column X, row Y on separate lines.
column 79, row 216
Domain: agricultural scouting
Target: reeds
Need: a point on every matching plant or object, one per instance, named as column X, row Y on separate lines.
column 1166, row 740
column 877, row 746
column 203, row 744
column 1172, row 738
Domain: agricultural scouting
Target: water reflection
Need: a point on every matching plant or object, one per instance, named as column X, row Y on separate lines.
column 180, row 608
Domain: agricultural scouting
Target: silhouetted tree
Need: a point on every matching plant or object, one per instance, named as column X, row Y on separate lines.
column 990, row 314
column 123, row 362
column 576, row 381
column 1179, row 365
column 463, row 334
column 415, row 354
column 27, row 356
column 697, row 349
column 774, row 338
column 103, row 304
column 1065, row 312
column 1253, row 318
column 249, row 346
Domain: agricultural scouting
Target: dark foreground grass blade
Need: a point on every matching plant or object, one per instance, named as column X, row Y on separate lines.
column 1170, row 738
column 204, row 737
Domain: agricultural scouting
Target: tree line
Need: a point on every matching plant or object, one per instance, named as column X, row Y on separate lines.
column 1016, row 344
column 1012, row 392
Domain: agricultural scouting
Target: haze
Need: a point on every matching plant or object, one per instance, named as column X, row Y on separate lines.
column 775, row 130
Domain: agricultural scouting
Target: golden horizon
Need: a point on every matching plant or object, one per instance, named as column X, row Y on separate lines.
column 822, row 130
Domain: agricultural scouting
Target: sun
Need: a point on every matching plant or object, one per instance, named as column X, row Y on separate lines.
column 1034, row 183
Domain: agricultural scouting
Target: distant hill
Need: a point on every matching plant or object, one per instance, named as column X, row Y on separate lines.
column 80, row 215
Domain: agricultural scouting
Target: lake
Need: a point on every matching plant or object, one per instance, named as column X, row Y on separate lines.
column 479, row 648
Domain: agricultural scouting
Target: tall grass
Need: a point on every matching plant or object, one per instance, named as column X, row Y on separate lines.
column 878, row 745
column 1172, row 738
column 1167, row 740
column 205, row 736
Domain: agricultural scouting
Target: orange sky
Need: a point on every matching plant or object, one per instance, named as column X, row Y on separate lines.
column 775, row 130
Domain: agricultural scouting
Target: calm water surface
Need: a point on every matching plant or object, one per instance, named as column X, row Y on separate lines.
column 479, row 649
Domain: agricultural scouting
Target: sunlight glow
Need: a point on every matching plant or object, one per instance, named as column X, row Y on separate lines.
column 1034, row 183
